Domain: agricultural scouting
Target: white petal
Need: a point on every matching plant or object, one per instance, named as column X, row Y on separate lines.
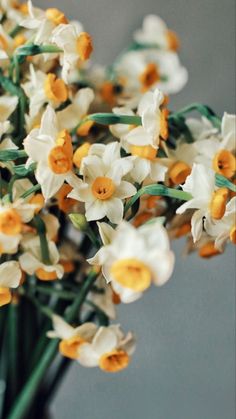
column 10, row 274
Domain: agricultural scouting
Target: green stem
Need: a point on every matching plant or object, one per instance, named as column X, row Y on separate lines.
column 25, row 398
column 157, row 190
column 65, row 295
column 202, row 109
column 31, row 191
column 41, row 229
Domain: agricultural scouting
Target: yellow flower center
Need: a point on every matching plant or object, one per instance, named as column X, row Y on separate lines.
column 70, row 347
column 65, row 203
column 232, row 234
column 218, row 203
column 179, row 172
column 38, row 200
column 19, row 40
column 149, row 76
column 55, row 89
column 60, row 156
column 80, row 153
column 5, row 296
column 208, row 250
column 114, row 361
column 56, row 16
column 10, row 222
column 103, row 188
column 84, row 46
column 224, row 163
column 45, row 276
column 22, row 7
column 142, row 218
column 145, row 152
column 3, row 43
column 164, row 129
column 83, row 130
column 173, row 40
column 132, row 273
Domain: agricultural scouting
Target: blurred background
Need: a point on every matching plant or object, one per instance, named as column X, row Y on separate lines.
column 184, row 365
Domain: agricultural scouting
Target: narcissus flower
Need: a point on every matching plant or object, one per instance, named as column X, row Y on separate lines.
column 53, row 152
column 10, row 277
column 110, row 349
column 103, row 188
column 218, row 150
column 225, row 228
column 209, row 200
column 76, row 44
column 71, row 338
column 154, row 123
column 7, row 106
column 42, row 22
column 31, row 260
column 155, row 32
column 131, row 265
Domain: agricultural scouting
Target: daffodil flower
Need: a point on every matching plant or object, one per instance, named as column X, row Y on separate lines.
column 225, row 228
column 110, row 349
column 208, row 200
column 131, row 265
column 10, row 277
column 71, row 338
column 155, row 32
column 7, row 106
column 103, row 189
column 75, row 44
column 31, row 260
column 53, row 152
column 42, row 22
column 218, row 149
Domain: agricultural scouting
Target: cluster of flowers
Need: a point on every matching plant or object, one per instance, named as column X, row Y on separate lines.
column 92, row 161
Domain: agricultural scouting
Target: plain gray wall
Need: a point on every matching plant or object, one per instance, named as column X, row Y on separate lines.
column 184, row 364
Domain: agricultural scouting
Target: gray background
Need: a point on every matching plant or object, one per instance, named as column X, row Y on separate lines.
column 184, row 364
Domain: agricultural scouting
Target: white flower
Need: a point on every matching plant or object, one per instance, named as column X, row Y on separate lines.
column 44, row 88
column 103, row 189
column 53, row 152
column 154, row 122
column 10, row 274
column 206, row 198
column 135, row 258
column 76, row 45
column 225, row 228
column 42, row 22
column 103, row 300
column 31, row 260
column 180, row 161
column 70, row 117
column 110, row 349
column 71, row 337
column 148, row 69
column 155, row 31
column 6, row 47
column 7, row 106
column 217, row 150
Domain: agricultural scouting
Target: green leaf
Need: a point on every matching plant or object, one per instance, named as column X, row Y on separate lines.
column 158, row 190
column 12, row 154
column 23, row 171
column 112, row 119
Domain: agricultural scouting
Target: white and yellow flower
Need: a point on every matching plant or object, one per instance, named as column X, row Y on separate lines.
column 135, row 258
column 52, row 149
column 218, row 149
column 180, row 161
column 110, row 349
column 155, row 32
column 154, row 123
column 207, row 199
column 225, row 228
column 103, row 189
column 76, row 46
column 10, row 277
column 31, row 260
column 42, row 22
column 7, row 106
column 73, row 114
column 147, row 69
column 71, row 338
column 44, row 88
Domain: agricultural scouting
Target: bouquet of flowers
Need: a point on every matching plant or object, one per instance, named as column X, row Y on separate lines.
column 97, row 175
